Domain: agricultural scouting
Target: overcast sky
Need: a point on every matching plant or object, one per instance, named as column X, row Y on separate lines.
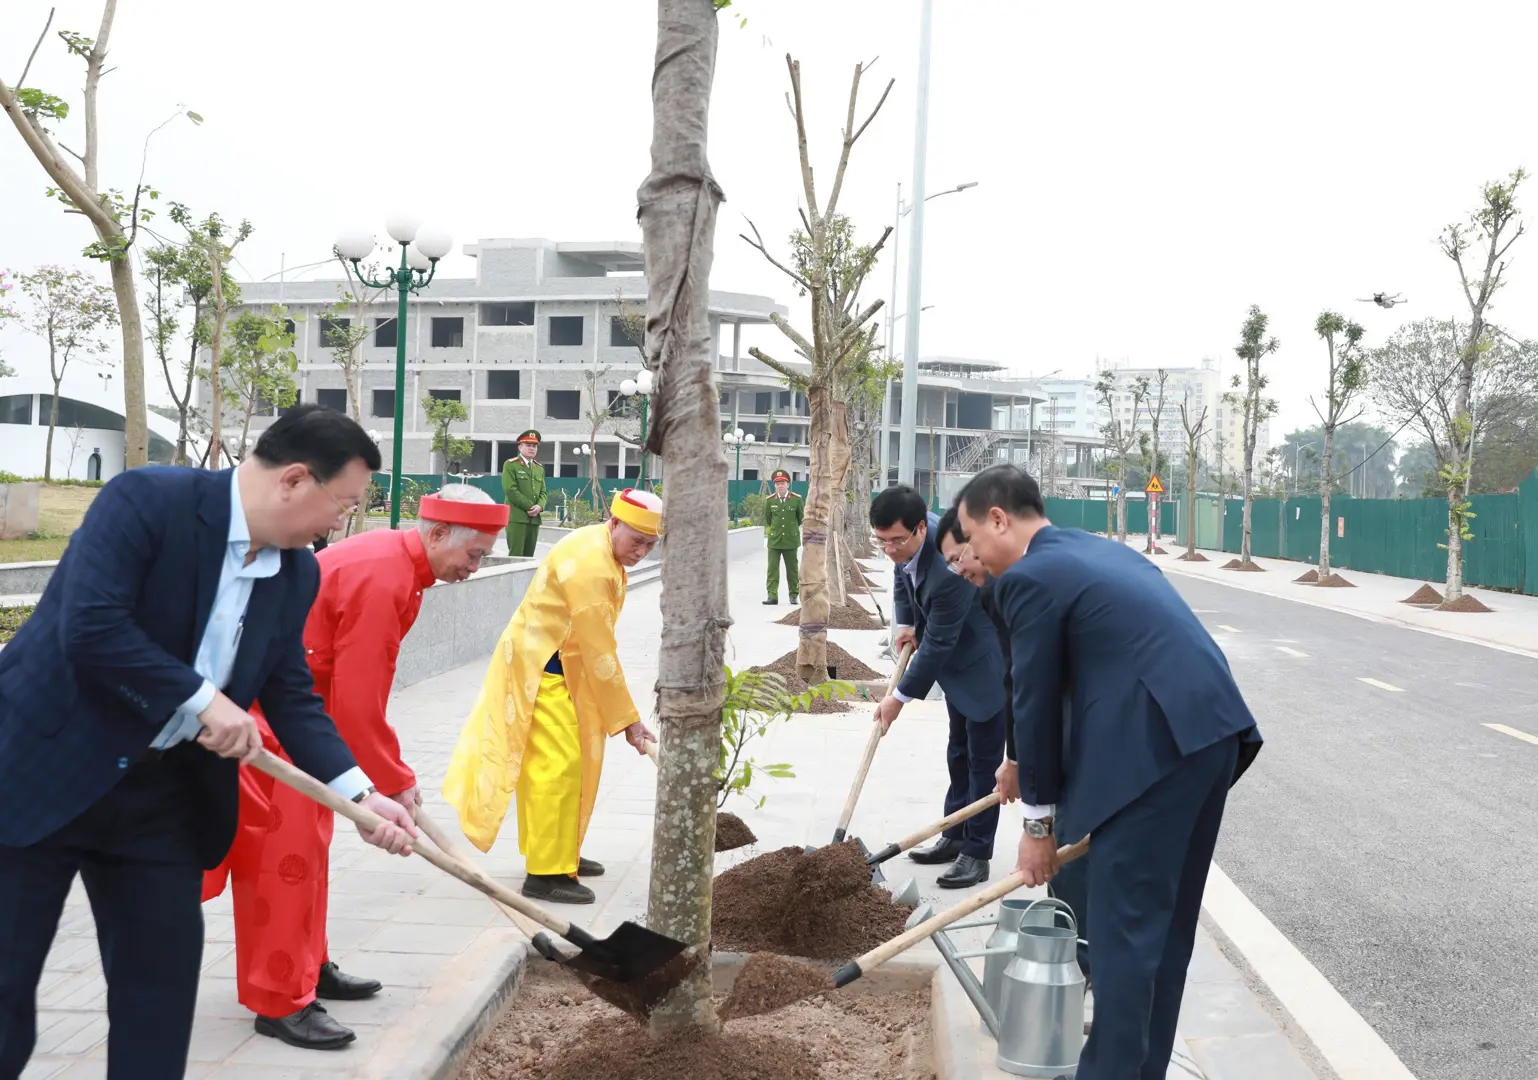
column 1145, row 171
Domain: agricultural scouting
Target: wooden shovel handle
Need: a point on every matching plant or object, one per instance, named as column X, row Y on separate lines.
column 884, row 952
column 967, row 812
column 651, row 752
column 306, row 784
column 870, row 751
column 527, row 927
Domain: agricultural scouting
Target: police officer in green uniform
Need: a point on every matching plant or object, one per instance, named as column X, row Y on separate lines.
column 783, row 513
column 523, row 488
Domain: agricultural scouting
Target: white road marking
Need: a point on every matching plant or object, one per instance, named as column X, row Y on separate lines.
column 1382, row 685
column 1514, row 733
column 1230, row 629
column 1354, row 1050
column 1204, row 611
column 1292, row 652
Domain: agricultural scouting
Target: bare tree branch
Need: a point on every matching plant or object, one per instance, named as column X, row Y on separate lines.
column 93, row 74
column 791, row 332
column 21, row 82
column 770, row 362
column 758, row 243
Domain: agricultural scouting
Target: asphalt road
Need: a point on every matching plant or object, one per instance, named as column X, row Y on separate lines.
column 1385, row 830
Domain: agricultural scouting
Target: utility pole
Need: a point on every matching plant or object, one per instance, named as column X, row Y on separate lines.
column 891, row 343
column 910, row 398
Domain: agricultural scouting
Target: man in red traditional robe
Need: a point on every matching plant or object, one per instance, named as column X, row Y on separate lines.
column 371, row 589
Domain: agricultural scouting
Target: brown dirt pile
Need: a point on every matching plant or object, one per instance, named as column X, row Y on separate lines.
column 851, row 616
column 732, row 833
column 792, row 902
column 1464, row 603
column 1309, row 578
column 847, row 667
column 768, row 982
column 1424, row 596
column 1192, row 556
column 1251, row 567
column 556, row 1031
column 1334, row 581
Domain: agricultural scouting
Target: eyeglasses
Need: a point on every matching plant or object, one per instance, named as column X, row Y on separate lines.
column 953, row 563
column 889, row 543
column 342, row 509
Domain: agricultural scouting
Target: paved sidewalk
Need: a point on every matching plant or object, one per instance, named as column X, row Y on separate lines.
column 1512, row 623
column 448, row 957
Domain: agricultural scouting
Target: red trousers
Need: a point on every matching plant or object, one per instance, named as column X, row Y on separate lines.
column 279, row 866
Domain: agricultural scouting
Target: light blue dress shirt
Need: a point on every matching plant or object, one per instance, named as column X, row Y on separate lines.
column 221, row 638
column 911, row 568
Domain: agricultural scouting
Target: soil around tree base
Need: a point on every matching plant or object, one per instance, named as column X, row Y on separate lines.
column 1192, row 556
column 1464, row 603
column 1333, row 580
column 555, row 1030
column 851, row 616
column 1425, row 596
column 847, row 667
column 1249, row 567
column 732, row 833
column 1310, row 578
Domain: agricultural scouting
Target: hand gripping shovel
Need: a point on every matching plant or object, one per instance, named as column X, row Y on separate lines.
column 884, row 952
column 632, row 954
column 935, row 828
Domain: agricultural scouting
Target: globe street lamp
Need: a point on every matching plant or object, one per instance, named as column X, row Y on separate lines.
column 420, row 251
column 738, row 440
column 586, row 451
column 640, row 386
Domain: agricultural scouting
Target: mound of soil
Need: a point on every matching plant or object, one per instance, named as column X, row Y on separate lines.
column 732, row 833
column 768, row 982
column 1231, row 564
column 1425, row 596
column 1310, row 578
column 851, row 616
column 1333, row 580
column 793, row 903
column 555, row 1030
column 845, row 666
column 1192, row 556
column 1465, row 603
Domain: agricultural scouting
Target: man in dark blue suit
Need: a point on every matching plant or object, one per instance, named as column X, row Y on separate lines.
column 179, row 602
column 958, row 648
column 1156, row 733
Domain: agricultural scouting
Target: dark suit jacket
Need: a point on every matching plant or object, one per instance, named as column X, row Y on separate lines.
column 94, row 675
column 1146, row 685
column 988, row 597
column 957, row 645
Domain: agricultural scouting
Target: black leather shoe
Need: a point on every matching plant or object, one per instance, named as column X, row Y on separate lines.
column 589, row 868
column 966, row 871
column 943, row 850
column 556, row 889
column 772, row 602
column 334, row 985
column 309, row 1029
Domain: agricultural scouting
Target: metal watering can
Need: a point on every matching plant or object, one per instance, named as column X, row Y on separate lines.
column 1038, row 1020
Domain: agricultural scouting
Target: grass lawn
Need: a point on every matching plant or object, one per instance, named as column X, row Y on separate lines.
column 59, row 512
column 11, row 619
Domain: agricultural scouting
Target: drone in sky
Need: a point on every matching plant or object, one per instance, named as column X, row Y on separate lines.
column 1383, row 300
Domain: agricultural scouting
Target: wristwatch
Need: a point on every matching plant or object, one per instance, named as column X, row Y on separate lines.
column 1038, row 829
column 365, row 793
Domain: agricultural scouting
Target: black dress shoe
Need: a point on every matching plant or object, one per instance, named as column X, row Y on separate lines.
column 556, row 889
column 589, row 868
column 309, row 1029
column 966, row 871
column 333, row 985
column 943, row 850
column 772, row 602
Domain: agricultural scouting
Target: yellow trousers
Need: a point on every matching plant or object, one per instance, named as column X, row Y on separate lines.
column 549, row 793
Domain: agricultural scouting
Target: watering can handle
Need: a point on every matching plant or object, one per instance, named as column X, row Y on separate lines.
column 1054, row 902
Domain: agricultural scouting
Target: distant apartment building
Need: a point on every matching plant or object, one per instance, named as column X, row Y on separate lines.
column 523, row 344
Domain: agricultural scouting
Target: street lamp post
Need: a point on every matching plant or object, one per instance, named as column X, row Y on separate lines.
column 420, row 251
column 640, row 386
column 586, row 451
column 738, row 440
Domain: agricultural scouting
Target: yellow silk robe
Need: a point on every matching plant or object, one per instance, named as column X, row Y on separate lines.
column 572, row 606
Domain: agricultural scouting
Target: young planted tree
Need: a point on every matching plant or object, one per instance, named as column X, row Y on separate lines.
column 1347, row 376
column 214, row 243
column 7, row 311
column 678, row 203
column 1195, row 424
column 1154, row 403
column 1254, row 408
column 68, row 311
column 259, row 364
column 346, row 325
column 114, row 217
column 178, row 279
column 1121, row 438
column 441, row 414
column 828, row 267
column 1478, row 249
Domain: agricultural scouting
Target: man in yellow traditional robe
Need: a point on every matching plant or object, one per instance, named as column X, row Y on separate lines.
column 553, row 693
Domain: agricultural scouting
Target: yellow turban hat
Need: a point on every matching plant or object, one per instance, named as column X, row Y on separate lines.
column 641, row 510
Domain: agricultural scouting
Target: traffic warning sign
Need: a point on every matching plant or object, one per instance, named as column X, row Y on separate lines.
column 1154, row 486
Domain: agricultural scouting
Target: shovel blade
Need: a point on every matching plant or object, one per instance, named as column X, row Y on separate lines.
column 629, row 954
column 641, row 995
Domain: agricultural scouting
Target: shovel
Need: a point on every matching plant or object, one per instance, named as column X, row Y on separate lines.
column 870, row 754
column 913, row 839
column 884, row 952
column 629, row 955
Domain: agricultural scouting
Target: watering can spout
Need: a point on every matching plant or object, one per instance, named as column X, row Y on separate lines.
column 968, row 981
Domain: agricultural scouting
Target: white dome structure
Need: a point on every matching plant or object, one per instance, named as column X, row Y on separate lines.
column 88, row 441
